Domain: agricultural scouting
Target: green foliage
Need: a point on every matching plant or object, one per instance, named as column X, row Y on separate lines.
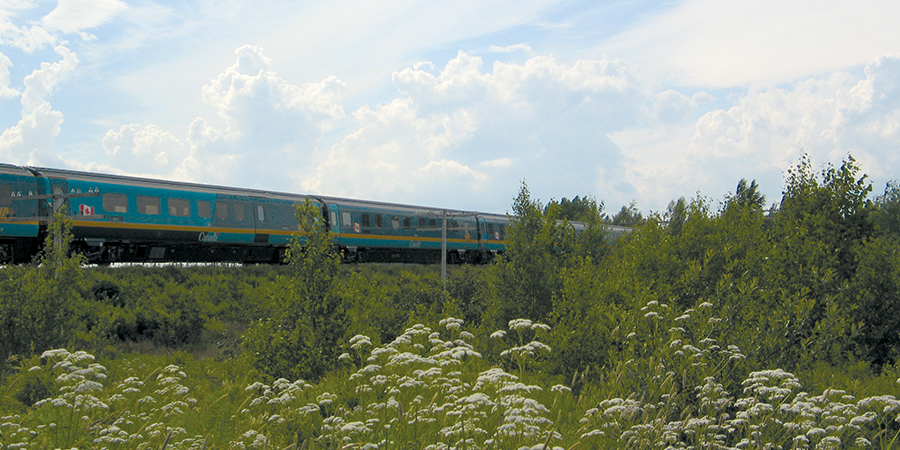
column 832, row 215
column 583, row 336
column 173, row 307
column 579, row 209
column 526, row 279
column 593, row 240
column 799, row 287
column 676, row 215
column 875, row 294
column 746, row 196
column 628, row 216
column 886, row 216
column 40, row 305
column 468, row 287
column 302, row 337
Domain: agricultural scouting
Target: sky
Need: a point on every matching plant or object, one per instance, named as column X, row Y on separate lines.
column 455, row 104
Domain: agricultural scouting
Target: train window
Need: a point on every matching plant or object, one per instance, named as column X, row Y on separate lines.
column 432, row 223
column 490, row 231
column 347, row 220
column 148, row 205
column 239, row 212
column 260, row 213
column 115, row 203
column 378, row 221
column 179, row 207
column 502, row 232
column 221, row 210
column 203, row 209
column 454, row 225
column 366, row 222
column 395, row 222
column 422, row 222
column 407, row 223
column 5, row 195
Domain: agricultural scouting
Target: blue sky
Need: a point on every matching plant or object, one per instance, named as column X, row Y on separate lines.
column 453, row 104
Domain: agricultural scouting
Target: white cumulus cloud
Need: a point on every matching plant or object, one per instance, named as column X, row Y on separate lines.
column 33, row 136
column 33, row 139
column 29, row 37
column 143, row 150
column 474, row 133
column 43, row 81
column 255, row 101
column 768, row 129
column 829, row 116
column 270, row 127
column 671, row 106
column 5, row 90
column 266, row 130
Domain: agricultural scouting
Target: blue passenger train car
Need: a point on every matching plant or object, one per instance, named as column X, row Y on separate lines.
column 19, row 214
column 376, row 231
column 130, row 219
column 133, row 219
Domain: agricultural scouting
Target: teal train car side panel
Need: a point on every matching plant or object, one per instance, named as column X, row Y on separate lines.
column 276, row 218
column 16, row 208
column 494, row 237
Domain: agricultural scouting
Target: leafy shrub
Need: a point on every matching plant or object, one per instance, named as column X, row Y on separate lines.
column 302, row 338
column 40, row 305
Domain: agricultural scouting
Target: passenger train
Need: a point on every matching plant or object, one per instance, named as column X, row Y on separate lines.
column 130, row 219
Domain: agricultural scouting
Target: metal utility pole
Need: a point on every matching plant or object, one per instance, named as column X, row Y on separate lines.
column 444, row 248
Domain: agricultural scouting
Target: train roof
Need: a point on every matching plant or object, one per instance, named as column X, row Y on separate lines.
column 10, row 168
column 217, row 189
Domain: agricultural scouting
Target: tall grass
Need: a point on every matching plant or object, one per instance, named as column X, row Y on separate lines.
column 430, row 388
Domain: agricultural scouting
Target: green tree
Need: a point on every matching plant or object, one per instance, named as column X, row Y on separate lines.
column 628, row 216
column 303, row 339
column 875, row 292
column 886, row 214
column 676, row 215
column 526, row 279
column 814, row 236
column 40, row 305
column 747, row 196
column 579, row 209
column 593, row 240
column 833, row 215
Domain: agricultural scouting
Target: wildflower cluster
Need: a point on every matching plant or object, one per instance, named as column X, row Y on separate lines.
column 772, row 413
column 521, row 353
column 684, row 377
column 432, row 388
column 85, row 412
column 278, row 409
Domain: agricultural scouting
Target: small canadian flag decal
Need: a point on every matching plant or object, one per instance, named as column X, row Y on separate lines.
column 86, row 210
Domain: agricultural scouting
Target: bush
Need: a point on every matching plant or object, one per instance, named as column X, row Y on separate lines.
column 302, row 338
column 41, row 305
